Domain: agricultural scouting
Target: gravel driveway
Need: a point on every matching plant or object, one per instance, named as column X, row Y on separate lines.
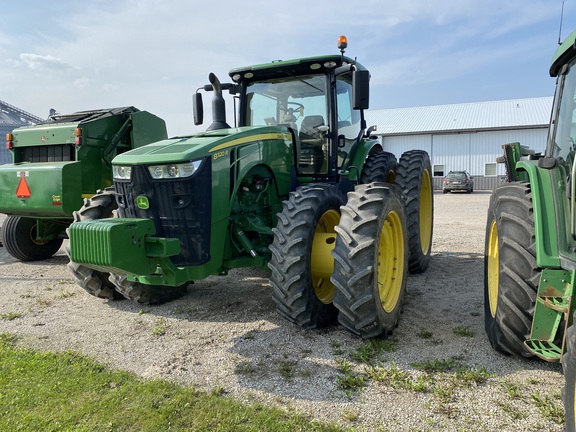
column 225, row 335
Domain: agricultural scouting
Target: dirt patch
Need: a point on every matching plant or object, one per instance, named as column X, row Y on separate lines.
column 226, row 334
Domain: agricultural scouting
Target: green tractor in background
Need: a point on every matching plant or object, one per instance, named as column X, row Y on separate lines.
column 56, row 164
column 530, row 255
column 299, row 186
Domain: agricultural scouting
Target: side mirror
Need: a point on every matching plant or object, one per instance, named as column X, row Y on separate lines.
column 198, row 108
column 361, row 89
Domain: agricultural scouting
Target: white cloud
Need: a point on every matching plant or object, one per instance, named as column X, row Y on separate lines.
column 39, row 62
column 154, row 54
column 82, row 83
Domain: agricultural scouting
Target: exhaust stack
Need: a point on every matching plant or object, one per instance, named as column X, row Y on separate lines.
column 218, row 105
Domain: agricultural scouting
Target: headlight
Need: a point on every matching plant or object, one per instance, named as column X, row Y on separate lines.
column 120, row 172
column 178, row 170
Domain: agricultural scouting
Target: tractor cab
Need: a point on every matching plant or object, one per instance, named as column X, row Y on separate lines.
column 318, row 100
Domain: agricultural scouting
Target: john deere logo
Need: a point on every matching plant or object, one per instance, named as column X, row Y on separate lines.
column 142, row 202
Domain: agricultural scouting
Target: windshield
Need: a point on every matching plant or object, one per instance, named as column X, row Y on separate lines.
column 286, row 101
column 301, row 104
column 456, row 176
column 562, row 141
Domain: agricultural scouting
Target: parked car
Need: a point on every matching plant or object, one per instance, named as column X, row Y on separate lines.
column 458, row 181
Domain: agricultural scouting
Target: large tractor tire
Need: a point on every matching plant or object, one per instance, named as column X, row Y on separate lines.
column 96, row 283
column 371, row 260
column 379, row 167
column 569, row 367
column 19, row 237
column 510, row 272
column 301, row 261
column 414, row 177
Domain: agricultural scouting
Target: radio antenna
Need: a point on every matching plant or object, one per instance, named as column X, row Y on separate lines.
column 560, row 31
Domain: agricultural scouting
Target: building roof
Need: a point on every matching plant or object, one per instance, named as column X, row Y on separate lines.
column 13, row 117
column 503, row 114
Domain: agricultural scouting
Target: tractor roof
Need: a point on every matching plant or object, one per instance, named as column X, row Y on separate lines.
column 301, row 66
column 565, row 52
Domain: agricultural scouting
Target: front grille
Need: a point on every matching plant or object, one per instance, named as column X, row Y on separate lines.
column 48, row 153
column 180, row 208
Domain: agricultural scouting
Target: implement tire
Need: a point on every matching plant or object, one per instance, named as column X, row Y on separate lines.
column 19, row 237
column 96, row 283
column 371, row 260
column 414, row 177
column 379, row 167
column 301, row 261
column 569, row 390
column 511, row 275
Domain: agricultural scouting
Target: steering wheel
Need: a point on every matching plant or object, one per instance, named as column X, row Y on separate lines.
column 286, row 108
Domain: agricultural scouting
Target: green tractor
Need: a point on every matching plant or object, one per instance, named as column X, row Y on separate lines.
column 530, row 255
column 56, row 164
column 299, row 186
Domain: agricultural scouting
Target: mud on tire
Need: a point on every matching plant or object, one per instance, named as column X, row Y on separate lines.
column 371, row 260
column 414, row 177
column 510, row 272
column 301, row 260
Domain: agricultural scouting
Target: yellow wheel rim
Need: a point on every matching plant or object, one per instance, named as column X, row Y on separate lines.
column 574, row 425
column 321, row 261
column 391, row 261
column 426, row 209
column 493, row 268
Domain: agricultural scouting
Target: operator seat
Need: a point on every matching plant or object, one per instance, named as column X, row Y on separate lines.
column 309, row 128
column 311, row 141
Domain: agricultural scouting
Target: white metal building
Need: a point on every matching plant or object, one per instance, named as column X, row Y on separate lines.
column 465, row 136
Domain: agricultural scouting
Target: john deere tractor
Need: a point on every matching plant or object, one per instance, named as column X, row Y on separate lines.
column 299, row 185
column 530, row 257
column 56, row 164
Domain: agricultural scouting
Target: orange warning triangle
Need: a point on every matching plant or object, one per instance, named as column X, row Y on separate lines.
column 23, row 191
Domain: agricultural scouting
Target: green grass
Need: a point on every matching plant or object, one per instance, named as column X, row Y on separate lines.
column 11, row 316
column 549, row 408
column 463, row 331
column 49, row 391
column 371, row 351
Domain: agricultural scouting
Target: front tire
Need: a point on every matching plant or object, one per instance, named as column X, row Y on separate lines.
column 371, row 260
column 96, row 283
column 511, row 275
column 414, row 177
column 569, row 367
column 19, row 238
column 301, row 262
column 146, row 294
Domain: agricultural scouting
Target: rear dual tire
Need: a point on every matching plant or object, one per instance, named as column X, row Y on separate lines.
column 414, row 177
column 301, row 263
column 371, row 260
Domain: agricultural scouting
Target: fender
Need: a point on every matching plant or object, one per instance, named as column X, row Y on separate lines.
column 357, row 157
column 547, row 228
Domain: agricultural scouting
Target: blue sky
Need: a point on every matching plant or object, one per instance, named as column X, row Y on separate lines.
column 153, row 54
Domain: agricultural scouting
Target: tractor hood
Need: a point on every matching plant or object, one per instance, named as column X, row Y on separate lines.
column 180, row 149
